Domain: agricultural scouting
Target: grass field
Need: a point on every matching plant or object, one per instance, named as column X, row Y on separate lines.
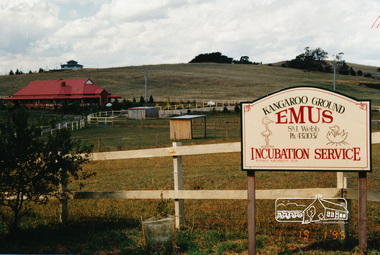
column 212, row 226
column 202, row 81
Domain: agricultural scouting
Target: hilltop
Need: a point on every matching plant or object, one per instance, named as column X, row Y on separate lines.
column 204, row 81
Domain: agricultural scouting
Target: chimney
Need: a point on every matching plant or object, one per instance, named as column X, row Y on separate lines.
column 63, row 83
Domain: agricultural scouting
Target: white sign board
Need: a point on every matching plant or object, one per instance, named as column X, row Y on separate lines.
column 306, row 128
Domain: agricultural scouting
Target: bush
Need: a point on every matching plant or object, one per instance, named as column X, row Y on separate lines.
column 237, row 108
column 185, row 241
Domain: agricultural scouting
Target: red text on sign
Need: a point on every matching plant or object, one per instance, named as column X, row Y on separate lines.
column 305, row 114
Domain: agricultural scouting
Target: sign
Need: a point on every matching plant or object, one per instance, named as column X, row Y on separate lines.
column 306, row 128
column 306, row 211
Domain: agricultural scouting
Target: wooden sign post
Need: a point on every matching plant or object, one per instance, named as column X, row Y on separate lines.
column 363, row 212
column 306, row 129
column 251, row 202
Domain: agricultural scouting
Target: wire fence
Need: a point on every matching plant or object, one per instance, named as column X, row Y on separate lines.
column 138, row 134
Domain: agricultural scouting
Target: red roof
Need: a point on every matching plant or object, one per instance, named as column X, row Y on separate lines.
column 60, row 89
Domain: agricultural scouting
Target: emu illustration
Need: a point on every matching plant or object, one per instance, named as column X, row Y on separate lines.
column 267, row 132
column 335, row 136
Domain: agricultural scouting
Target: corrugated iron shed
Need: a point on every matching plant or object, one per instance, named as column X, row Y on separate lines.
column 143, row 112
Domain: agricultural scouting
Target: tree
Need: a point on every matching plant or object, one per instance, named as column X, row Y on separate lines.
column 32, row 166
column 237, row 108
column 243, row 60
column 151, row 100
column 352, row 71
column 116, row 105
column 11, row 72
column 215, row 57
column 320, row 56
column 142, row 100
column 344, row 69
column 311, row 60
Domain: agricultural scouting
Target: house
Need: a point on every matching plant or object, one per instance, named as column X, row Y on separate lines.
column 322, row 210
column 52, row 93
column 71, row 65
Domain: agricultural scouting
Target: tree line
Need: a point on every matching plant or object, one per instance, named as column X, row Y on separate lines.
column 309, row 60
column 218, row 57
column 41, row 70
column 316, row 60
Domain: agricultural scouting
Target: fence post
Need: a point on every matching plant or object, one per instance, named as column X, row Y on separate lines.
column 344, row 182
column 178, row 185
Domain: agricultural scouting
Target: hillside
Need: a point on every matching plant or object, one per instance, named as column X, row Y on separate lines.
column 202, row 81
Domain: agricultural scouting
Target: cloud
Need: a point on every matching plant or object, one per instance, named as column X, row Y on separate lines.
column 119, row 33
column 24, row 23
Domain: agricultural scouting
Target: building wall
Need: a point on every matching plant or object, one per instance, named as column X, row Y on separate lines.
column 180, row 129
column 136, row 114
column 152, row 112
column 143, row 112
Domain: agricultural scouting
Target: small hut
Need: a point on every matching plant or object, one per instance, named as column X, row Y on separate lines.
column 143, row 113
column 182, row 127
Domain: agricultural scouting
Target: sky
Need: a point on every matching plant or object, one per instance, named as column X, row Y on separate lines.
column 113, row 33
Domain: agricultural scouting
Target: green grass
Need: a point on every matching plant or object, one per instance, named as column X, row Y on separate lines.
column 211, row 226
column 202, row 81
column 137, row 134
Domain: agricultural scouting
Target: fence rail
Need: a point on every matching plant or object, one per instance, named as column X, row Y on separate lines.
column 372, row 195
column 72, row 125
column 178, row 194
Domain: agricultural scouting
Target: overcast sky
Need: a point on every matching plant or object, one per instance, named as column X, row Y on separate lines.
column 105, row 33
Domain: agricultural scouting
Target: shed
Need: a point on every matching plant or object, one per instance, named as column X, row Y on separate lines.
column 182, row 127
column 143, row 112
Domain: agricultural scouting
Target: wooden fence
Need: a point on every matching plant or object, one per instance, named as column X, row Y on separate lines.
column 72, row 125
column 178, row 194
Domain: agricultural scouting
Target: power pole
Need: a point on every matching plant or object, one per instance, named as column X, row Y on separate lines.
column 146, row 84
column 334, row 74
column 336, row 63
